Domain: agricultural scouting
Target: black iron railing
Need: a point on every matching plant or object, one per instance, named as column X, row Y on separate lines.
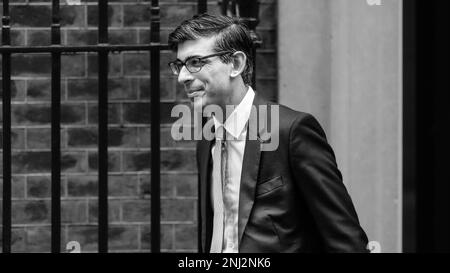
column 102, row 49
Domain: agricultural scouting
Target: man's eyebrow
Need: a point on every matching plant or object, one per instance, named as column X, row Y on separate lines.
column 189, row 57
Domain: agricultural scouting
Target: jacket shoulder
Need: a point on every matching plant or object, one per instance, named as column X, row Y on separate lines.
column 290, row 117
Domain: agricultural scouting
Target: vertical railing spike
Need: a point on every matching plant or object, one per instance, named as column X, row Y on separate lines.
column 202, row 6
column 6, row 100
column 55, row 132
column 155, row 127
column 103, row 127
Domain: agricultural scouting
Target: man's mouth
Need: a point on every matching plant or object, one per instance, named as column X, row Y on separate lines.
column 195, row 93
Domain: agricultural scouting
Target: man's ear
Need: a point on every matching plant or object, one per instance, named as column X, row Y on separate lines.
column 238, row 62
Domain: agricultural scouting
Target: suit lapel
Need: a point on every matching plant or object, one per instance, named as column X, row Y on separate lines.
column 204, row 152
column 250, row 168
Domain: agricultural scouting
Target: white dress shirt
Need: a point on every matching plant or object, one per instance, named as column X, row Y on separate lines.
column 236, row 130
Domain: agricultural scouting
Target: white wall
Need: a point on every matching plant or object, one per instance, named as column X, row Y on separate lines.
column 341, row 60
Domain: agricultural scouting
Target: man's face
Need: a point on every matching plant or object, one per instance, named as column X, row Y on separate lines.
column 210, row 85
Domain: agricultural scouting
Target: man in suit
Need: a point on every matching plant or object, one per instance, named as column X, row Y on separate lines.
column 287, row 199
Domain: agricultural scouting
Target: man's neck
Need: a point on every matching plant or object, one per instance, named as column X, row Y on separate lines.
column 237, row 95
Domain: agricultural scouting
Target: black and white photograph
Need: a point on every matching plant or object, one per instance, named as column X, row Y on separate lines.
column 249, row 127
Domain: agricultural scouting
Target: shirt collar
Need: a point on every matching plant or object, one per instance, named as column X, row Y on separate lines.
column 235, row 123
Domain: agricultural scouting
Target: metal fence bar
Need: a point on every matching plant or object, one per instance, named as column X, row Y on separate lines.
column 155, row 128
column 202, row 6
column 103, row 128
column 249, row 11
column 79, row 49
column 56, row 133
column 6, row 99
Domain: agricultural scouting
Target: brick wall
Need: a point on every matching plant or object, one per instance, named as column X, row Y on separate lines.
column 129, row 131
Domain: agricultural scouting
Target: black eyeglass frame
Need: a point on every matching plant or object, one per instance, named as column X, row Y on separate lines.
column 176, row 66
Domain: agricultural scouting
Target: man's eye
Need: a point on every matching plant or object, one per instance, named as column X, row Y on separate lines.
column 195, row 62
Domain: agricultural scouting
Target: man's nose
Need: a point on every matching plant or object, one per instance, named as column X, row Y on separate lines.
column 184, row 76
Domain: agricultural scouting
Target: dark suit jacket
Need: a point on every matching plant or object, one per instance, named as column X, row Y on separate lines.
column 291, row 199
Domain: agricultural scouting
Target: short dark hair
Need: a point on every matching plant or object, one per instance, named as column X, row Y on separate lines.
column 231, row 32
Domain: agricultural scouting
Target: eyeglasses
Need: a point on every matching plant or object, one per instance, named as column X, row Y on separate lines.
column 193, row 64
